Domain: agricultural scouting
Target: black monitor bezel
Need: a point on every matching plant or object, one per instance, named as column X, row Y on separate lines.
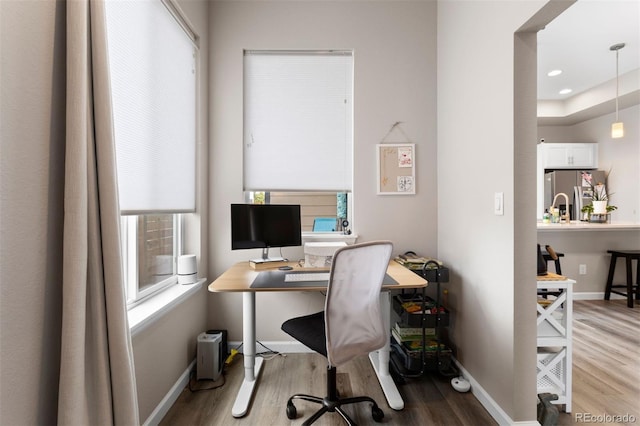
column 265, row 238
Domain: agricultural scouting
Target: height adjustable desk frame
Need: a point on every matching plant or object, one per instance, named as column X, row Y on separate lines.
column 239, row 278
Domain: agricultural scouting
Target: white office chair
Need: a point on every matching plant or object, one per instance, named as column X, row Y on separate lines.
column 351, row 324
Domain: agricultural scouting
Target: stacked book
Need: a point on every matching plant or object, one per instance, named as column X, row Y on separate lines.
column 413, row 261
column 411, row 336
column 267, row 264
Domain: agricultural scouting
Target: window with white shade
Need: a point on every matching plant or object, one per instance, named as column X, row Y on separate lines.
column 298, row 132
column 153, row 71
column 152, row 61
column 298, row 114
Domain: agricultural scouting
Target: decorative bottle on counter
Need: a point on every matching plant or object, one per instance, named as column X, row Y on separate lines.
column 546, row 217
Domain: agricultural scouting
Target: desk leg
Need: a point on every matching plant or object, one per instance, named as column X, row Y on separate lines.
column 380, row 360
column 252, row 365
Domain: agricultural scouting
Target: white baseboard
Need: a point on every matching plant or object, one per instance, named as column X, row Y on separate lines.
column 596, row 295
column 489, row 404
column 485, row 399
column 170, row 398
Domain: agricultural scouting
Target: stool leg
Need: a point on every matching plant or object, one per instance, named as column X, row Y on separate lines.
column 637, row 278
column 629, row 283
column 557, row 264
column 612, row 267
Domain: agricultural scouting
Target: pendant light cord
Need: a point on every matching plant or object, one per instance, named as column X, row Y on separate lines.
column 617, row 48
column 617, row 82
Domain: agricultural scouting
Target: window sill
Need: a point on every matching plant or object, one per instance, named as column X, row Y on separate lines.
column 150, row 310
column 309, row 237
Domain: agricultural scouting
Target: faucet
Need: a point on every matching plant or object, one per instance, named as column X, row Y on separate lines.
column 566, row 216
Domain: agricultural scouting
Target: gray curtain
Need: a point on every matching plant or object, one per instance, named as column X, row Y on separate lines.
column 97, row 380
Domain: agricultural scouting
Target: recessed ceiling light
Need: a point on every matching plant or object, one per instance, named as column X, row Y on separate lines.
column 565, row 91
column 553, row 73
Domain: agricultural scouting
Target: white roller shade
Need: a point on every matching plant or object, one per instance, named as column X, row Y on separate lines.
column 153, row 79
column 298, row 121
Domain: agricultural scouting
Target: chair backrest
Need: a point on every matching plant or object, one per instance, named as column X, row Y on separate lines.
column 325, row 224
column 353, row 321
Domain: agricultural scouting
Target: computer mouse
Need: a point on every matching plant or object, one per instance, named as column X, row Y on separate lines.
column 285, row 268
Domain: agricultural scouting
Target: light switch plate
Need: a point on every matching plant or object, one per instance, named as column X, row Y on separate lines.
column 498, row 203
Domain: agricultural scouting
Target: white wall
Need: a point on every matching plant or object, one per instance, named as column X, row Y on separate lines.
column 486, row 144
column 394, row 55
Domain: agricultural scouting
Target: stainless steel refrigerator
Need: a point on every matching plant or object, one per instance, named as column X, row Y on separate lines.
column 572, row 183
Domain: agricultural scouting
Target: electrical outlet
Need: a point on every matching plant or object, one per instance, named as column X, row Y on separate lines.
column 582, row 269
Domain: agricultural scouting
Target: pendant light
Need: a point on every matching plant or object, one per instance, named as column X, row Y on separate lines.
column 617, row 128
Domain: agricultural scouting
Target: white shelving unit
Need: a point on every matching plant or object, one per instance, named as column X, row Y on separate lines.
column 553, row 369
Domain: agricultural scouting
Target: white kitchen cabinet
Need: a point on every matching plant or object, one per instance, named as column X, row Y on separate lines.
column 569, row 155
column 554, row 357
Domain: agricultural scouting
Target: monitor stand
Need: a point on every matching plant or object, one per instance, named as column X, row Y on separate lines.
column 266, row 259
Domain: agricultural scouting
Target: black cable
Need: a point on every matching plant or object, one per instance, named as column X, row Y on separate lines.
column 269, row 350
column 264, row 354
column 205, row 389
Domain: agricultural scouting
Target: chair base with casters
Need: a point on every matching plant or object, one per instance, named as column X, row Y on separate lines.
column 332, row 403
column 310, row 331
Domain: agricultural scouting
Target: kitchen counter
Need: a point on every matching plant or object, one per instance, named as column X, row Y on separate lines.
column 576, row 225
column 585, row 248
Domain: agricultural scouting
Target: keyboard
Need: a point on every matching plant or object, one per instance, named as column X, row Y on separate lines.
column 307, row 276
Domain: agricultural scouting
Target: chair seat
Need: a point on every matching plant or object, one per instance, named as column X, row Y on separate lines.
column 308, row 330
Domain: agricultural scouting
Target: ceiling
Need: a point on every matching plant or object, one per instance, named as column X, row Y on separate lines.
column 577, row 42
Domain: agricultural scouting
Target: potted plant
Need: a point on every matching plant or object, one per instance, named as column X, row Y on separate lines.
column 599, row 196
column 589, row 210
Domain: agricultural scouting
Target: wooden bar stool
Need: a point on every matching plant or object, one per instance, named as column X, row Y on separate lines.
column 630, row 256
column 549, row 254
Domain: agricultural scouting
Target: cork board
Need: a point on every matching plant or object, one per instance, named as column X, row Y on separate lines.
column 396, row 169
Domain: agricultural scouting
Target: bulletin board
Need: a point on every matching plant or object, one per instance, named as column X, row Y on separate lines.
column 396, row 168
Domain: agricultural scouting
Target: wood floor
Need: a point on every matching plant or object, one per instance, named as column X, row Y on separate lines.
column 606, row 378
column 606, row 363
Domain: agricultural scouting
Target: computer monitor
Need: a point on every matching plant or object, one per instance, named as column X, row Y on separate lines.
column 265, row 226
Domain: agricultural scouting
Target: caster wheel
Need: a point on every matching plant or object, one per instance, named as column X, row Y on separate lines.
column 292, row 413
column 377, row 414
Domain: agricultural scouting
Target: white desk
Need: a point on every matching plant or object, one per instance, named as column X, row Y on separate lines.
column 239, row 278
